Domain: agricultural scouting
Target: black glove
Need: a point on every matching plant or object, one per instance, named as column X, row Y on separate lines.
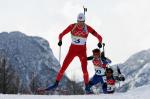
column 99, row 45
column 122, row 78
column 60, row 43
column 90, row 58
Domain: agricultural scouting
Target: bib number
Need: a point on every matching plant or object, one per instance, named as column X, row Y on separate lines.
column 100, row 71
column 110, row 87
column 77, row 40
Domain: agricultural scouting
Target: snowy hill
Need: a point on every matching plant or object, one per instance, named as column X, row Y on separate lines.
column 138, row 93
column 26, row 63
column 136, row 70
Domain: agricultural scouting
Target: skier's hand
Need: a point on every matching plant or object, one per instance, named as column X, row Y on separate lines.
column 121, row 77
column 60, row 43
column 90, row 58
column 99, row 45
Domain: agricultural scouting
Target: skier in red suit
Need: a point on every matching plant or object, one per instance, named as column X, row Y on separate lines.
column 79, row 33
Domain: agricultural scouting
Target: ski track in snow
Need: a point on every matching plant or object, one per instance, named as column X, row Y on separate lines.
column 138, row 93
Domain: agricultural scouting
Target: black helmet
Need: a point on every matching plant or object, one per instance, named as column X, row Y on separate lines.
column 109, row 70
column 96, row 50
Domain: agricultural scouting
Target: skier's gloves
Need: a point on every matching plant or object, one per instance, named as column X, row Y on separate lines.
column 60, row 43
column 90, row 58
column 99, row 45
column 121, row 77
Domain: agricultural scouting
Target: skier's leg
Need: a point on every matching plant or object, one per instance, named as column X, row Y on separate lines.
column 95, row 79
column 104, row 84
column 104, row 87
column 66, row 63
column 69, row 57
column 83, row 59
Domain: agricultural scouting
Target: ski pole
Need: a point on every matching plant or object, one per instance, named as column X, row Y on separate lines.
column 59, row 54
column 118, row 69
column 103, row 44
column 119, row 72
column 104, row 48
column 85, row 9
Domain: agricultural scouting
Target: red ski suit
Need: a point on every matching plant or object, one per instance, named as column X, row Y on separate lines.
column 77, row 48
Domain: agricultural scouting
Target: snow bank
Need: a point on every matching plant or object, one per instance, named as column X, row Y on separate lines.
column 138, row 93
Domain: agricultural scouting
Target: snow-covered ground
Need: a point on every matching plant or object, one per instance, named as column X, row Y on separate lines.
column 138, row 93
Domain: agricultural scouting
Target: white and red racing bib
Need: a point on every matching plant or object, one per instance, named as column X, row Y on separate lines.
column 78, row 40
column 99, row 71
column 110, row 87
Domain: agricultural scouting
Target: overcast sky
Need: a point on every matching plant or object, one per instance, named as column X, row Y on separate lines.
column 123, row 24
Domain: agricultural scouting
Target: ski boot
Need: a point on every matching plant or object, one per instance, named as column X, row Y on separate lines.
column 53, row 87
column 88, row 89
column 42, row 90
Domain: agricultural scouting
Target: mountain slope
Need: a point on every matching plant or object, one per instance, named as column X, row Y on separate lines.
column 26, row 63
column 136, row 70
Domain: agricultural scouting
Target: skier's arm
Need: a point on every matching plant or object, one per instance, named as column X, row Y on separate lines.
column 93, row 32
column 120, row 77
column 67, row 30
column 90, row 58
